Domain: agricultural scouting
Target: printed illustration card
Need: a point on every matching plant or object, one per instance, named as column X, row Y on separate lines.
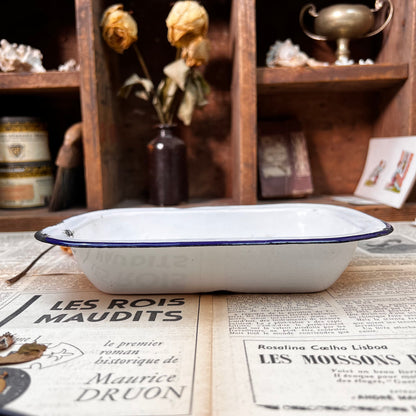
column 390, row 170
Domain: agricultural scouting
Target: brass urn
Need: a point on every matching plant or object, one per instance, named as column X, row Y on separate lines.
column 343, row 22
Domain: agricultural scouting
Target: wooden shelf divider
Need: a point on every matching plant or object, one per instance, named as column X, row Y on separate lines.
column 35, row 82
column 330, row 78
column 33, row 219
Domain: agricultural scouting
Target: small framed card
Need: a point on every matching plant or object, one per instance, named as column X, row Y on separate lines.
column 390, row 170
column 284, row 169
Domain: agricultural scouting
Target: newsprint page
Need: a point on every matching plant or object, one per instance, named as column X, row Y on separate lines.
column 350, row 350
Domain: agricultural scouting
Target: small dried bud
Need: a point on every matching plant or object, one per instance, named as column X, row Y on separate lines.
column 197, row 52
column 186, row 21
column 119, row 29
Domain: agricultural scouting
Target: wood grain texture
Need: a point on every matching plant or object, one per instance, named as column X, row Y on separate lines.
column 383, row 212
column 50, row 81
column 337, row 128
column 34, row 219
column 397, row 110
column 101, row 151
column 331, row 78
column 244, row 102
column 39, row 218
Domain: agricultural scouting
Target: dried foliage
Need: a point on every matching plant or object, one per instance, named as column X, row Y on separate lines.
column 27, row 352
column 184, row 88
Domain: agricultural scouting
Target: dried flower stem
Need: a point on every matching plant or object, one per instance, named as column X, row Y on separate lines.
column 174, row 104
column 155, row 99
column 23, row 273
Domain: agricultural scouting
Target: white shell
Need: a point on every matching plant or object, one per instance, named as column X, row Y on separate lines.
column 289, row 55
column 20, row 58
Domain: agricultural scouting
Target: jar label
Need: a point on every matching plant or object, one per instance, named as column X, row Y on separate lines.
column 24, row 146
column 24, row 192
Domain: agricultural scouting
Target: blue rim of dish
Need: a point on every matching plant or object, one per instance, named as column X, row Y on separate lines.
column 44, row 237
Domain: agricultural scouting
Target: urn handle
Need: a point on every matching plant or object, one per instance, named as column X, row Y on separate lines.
column 378, row 6
column 311, row 9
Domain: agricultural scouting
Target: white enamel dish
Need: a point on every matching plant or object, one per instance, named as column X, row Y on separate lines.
column 258, row 248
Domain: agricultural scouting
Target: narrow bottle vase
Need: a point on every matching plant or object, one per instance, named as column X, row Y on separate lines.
column 168, row 179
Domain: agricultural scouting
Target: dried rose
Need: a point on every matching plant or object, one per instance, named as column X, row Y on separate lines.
column 197, row 52
column 119, row 29
column 186, row 21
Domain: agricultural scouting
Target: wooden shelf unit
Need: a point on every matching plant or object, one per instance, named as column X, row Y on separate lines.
column 115, row 132
column 340, row 108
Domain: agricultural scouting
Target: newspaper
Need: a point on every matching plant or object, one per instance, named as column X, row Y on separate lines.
column 106, row 354
column 348, row 350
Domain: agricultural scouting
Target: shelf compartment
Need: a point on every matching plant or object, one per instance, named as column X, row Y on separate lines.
column 33, row 219
column 36, row 82
column 331, row 78
column 381, row 211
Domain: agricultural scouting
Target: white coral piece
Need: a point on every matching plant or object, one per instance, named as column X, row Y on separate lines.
column 344, row 61
column 289, row 55
column 70, row 65
column 20, row 58
column 366, row 62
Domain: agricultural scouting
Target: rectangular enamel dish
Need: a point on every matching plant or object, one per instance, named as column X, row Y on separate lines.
column 258, row 248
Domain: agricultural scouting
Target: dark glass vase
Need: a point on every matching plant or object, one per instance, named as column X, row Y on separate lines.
column 168, row 178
